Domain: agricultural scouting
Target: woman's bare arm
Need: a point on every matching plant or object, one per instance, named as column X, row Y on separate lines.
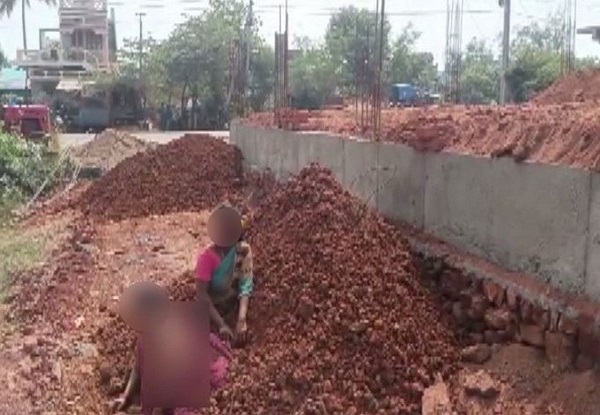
column 243, row 312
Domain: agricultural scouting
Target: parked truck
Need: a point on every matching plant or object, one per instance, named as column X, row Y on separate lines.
column 407, row 95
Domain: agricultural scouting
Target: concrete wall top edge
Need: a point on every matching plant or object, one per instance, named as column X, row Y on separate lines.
column 455, row 153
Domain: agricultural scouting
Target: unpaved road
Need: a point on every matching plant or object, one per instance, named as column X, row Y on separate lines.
column 67, row 140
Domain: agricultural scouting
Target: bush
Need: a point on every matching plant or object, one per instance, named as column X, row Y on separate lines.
column 24, row 166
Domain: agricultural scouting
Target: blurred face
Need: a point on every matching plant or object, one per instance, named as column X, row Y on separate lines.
column 225, row 227
column 143, row 305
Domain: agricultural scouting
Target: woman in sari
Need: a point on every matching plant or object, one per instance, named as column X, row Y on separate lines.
column 224, row 273
column 224, row 279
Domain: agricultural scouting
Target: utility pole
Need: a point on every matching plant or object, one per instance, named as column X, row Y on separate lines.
column 505, row 50
column 141, row 44
column 249, row 22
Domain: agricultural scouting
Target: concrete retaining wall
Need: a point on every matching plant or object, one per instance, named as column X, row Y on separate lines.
column 539, row 219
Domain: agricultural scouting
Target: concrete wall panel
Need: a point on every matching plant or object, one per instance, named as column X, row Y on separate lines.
column 592, row 278
column 327, row 150
column 244, row 137
column 285, row 154
column 540, row 218
column 401, row 178
column 527, row 217
column 264, row 138
column 360, row 169
column 458, row 199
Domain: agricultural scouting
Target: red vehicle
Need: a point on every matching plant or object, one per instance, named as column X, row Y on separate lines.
column 31, row 121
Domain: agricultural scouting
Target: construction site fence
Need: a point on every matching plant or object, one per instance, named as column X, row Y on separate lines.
column 538, row 219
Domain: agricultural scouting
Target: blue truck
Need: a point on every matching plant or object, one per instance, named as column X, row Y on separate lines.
column 407, row 95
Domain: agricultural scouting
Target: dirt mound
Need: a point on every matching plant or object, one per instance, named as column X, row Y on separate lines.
column 109, row 148
column 192, row 173
column 556, row 134
column 340, row 320
column 580, row 86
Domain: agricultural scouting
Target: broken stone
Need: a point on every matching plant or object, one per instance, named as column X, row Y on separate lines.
column 560, row 349
column 512, row 299
column 584, row 362
column 457, row 311
column 436, row 400
column 479, row 353
column 526, row 311
column 158, row 248
column 30, row 345
column 479, row 305
column 494, row 292
column 57, row 371
column 532, row 334
column 480, row 384
column 497, row 319
column 495, row 336
column 567, row 325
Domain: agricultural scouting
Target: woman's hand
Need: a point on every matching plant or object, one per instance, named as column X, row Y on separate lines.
column 225, row 333
column 241, row 330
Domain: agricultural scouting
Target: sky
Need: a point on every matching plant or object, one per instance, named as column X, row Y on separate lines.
column 482, row 19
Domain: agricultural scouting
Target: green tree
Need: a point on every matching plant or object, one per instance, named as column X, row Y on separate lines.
column 7, row 7
column 409, row 66
column 128, row 57
column 312, row 77
column 480, row 75
column 536, row 57
column 349, row 39
column 3, row 59
column 261, row 76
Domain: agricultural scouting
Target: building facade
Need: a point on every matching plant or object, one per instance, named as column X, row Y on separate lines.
column 84, row 47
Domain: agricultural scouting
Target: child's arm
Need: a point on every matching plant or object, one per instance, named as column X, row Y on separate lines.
column 123, row 403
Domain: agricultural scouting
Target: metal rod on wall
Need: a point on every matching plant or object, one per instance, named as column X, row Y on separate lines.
column 380, row 69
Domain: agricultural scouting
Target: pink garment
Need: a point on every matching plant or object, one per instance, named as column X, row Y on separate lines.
column 208, row 261
column 219, row 366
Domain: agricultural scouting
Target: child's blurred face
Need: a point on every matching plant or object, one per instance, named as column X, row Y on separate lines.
column 142, row 305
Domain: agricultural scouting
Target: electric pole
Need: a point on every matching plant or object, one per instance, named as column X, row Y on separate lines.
column 140, row 46
column 505, row 50
column 249, row 22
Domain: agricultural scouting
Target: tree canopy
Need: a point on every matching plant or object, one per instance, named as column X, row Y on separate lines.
column 194, row 64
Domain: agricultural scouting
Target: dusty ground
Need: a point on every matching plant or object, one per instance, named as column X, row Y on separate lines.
column 527, row 385
column 60, row 378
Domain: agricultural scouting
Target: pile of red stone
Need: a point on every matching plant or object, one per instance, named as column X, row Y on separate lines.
column 341, row 323
column 192, row 173
column 580, row 86
column 339, row 320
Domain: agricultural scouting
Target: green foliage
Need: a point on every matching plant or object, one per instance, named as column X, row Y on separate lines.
column 24, row 166
column 349, row 39
column 8, row 6
column 129, row 55
column 262, row 73
column 313, row 78
column 480, row 76
column 536, row 55
column 409, row 66
column 194, row 62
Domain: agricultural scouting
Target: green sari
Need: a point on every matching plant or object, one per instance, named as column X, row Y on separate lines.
column 226, row 286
